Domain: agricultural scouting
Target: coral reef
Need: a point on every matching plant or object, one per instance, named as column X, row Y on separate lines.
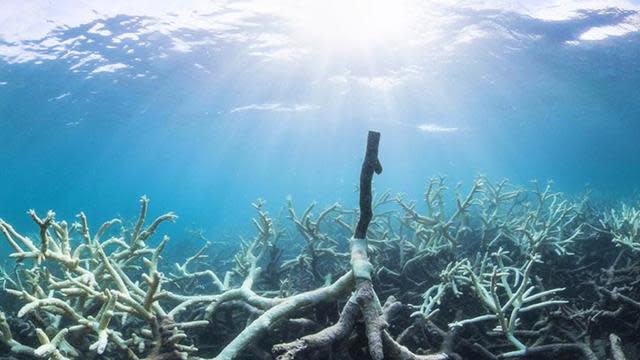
column 497, row 271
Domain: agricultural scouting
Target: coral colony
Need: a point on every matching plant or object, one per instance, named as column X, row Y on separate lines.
column 494, row 272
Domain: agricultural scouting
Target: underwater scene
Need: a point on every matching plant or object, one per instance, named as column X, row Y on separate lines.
column 343, row 180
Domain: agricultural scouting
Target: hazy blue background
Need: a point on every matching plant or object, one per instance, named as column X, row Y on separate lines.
column 206, row 106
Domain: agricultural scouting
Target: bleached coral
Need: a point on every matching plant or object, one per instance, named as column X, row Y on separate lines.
column 624, row 226
column 110, row 293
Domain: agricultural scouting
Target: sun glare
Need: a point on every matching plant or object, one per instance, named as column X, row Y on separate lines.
column 353, row 24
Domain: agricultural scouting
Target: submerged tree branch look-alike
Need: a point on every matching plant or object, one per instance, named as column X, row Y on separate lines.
column 499, row 272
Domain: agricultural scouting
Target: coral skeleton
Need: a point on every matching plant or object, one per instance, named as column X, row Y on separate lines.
column 492, row 271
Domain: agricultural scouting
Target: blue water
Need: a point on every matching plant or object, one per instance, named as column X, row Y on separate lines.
column 205, row 111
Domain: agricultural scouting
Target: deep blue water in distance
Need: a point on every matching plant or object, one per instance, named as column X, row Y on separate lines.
column 206, row 128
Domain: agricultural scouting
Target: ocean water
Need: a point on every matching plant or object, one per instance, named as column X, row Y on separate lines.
column 206, row 109
column 207, row 106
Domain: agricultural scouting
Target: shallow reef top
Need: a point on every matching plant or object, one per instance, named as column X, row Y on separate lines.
column 500, row 272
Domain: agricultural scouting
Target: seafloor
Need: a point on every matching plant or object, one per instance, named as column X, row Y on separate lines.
column 488, row 270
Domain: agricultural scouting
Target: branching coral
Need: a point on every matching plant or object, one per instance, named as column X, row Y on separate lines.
column 541, row 267
column 319, row 258
column 437, row 230
column 87, row 285
column 363, row 301
column 506, row 292
column 625, row 227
